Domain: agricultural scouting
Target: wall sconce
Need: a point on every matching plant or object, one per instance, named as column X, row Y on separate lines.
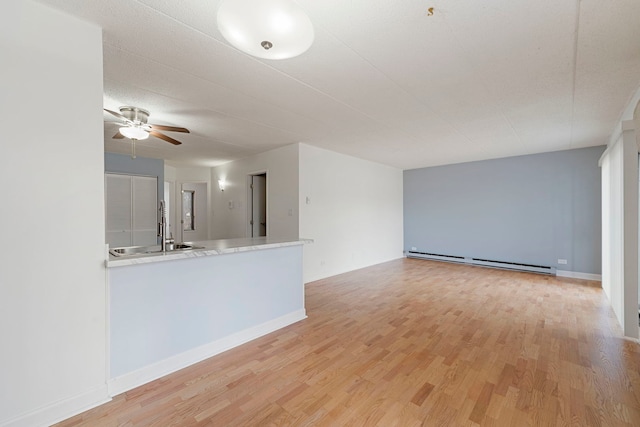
column 221, row 184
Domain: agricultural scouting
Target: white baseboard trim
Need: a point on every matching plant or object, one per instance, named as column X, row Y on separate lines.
column 172, row 364
column 60, row 410
column 578, row 275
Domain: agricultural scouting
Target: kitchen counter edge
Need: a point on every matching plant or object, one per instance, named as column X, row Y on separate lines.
column 210, row 248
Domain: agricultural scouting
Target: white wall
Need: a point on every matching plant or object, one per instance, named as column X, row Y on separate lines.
column 264, row 285
column 607, row 207
column 354, row 214
column 52, row 279
column 612, row 222
column 230, row 215
column 352, row 208
column 620, row 227
column 193, row 174
column 630, row 231
column 170, row 173
column 177, row 176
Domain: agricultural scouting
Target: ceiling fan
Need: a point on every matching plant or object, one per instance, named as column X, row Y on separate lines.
column 135, row 127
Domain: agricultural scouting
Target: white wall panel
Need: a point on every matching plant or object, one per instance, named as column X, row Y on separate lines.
column 230, row 207
column 612, row 207
column 606, row 225
column 620, row 228
column 351, row 208
column 52, row 280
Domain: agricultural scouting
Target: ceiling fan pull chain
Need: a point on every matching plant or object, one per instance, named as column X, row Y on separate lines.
column 133, row 148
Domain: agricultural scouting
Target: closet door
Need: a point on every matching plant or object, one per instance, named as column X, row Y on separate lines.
column 145, row 208
column 131, row 210
column 118, row 210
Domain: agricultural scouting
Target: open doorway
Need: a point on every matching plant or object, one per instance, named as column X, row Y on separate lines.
column 193, row 212
column 257, row 205
column 170, row 207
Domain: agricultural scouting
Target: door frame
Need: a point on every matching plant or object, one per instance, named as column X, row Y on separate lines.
column 172, row 216
column 179, row 185
column 249, row 212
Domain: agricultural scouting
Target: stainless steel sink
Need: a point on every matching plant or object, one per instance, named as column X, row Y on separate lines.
column 142, row 250
column 184, row 246
column 131, row 250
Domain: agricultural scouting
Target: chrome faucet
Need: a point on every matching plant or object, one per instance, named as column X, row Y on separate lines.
column 162, row 227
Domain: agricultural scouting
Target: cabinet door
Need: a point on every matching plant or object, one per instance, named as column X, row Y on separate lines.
column 145, row 210
column 118, row 210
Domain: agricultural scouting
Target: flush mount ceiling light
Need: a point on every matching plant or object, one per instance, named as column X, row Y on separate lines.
column 269, row 29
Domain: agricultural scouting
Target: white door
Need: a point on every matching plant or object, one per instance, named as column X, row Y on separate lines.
column 258, row 205
column 145, row 210
column 131, row 210
column 193, row 223
column 118, row 210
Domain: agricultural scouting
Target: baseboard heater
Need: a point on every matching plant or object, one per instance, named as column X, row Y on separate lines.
column 542, row 269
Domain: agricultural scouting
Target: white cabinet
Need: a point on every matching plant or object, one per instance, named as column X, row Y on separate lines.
column 131, row 210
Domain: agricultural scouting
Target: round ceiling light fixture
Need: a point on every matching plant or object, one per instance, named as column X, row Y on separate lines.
column 269, row 29
column 134, row 132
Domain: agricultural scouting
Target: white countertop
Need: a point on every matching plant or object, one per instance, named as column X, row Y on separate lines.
column 210, row 247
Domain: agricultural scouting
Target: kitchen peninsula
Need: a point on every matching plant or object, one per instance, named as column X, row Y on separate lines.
column 170, row 310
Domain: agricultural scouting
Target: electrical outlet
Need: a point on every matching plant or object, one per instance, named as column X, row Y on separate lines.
column 562, row 261
column 413, row 248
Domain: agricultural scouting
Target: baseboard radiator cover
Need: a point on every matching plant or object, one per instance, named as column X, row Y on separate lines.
column 505, row 265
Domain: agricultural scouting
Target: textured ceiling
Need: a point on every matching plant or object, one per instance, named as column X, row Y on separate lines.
column 384, row 80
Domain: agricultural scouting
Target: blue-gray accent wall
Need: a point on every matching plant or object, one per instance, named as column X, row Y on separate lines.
column 532, row 209
column 120, row 163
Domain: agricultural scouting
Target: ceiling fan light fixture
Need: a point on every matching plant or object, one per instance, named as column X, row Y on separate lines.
column 269, row 29
column 133, row 132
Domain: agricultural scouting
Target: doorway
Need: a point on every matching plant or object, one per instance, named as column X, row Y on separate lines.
column 258, row 204
column 193, row 212
column 170, row 200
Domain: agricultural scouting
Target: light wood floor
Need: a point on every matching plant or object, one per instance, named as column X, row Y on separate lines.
column 410, row 343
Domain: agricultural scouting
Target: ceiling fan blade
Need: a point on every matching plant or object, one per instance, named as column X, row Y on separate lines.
column 164, row 137
column 118, row 115
column 169, row 128
column 118, row 135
